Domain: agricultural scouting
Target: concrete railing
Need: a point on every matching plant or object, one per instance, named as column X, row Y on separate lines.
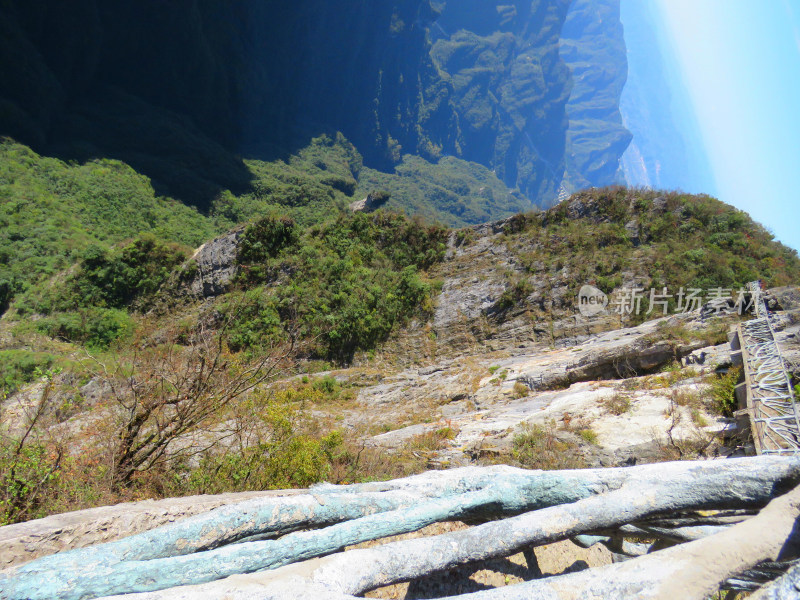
column 766, row 394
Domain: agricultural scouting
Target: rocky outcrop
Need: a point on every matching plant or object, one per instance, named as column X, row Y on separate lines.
column 484, row 396
column 371, row 203
column 210, row 270
column 593, row 47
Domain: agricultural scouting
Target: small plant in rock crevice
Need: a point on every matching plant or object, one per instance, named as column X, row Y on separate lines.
column 617, row 404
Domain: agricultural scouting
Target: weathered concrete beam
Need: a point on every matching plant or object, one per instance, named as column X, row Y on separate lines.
column 711, row 484
column 644, row 493
column 691, row 571
column 121, row 565
column 786, row 587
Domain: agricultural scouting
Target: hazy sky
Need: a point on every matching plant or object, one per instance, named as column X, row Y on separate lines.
column 740, row 62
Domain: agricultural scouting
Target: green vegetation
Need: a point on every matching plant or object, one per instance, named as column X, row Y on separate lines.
column 94, row 327
column 28, row 475
column 109, row 278
column 537, row 447
column 519, row 289
column 520, row 390
column 88, row 304
column 451, row 191
column 617, row 404
column 52, row 211
column 723, row 392
column 18, row 367
column 342, row 285
column 667, row 240
column 311, row 186
column 588, row 435
column 288, row 457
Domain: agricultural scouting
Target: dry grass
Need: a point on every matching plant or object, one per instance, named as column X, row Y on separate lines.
column 617, row 404
column 520, row 390
column 539, row 447
column 434, row 439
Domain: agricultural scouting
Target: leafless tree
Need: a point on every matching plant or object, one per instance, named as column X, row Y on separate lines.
column 31, row 459
column 167, row 391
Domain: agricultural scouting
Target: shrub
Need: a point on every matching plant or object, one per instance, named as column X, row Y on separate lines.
column 18, row 367
column 163, row 392
column 520, row 390
column 94, row 327
column 29, row 463
column 431, row 441
column 686, row 398
column 6, row 293
column 264, row 240
column 617, row 404
column 345, row 285
column 327, row 385
column 538, row 448
column 117, row 278
column 288, row 460
column 698, row 418
column 516, row 292
column 29, row 472
column 588, row 435
column 723, row 392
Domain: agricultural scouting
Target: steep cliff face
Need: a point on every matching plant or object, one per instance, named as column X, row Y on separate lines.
column 593, row 46
column 182, row 90
column 509, row 87
column 357, row 67
column 178, row 89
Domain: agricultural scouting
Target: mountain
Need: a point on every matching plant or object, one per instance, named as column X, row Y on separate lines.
column 593, row 46
column 509, row 87
column 183, row 92
column 280, row 353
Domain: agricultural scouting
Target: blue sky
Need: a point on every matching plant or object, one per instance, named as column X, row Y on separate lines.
column 739, row 61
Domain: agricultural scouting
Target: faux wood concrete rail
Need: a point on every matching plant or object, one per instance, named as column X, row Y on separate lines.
column 291, row 547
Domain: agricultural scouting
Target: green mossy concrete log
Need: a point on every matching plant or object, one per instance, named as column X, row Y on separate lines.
column 530, row 508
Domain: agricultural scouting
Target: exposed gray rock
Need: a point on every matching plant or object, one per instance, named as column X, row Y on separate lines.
column 787, row 297
column 787, row 335
column 215, row 265
column 467, row 301
column 465, row 296
column 710, row 356
column 632, row 229
column 372, row 202
column 660, row 204
column 94, row 390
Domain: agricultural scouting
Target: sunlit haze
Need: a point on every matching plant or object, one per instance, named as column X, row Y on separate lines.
column 740, row 63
